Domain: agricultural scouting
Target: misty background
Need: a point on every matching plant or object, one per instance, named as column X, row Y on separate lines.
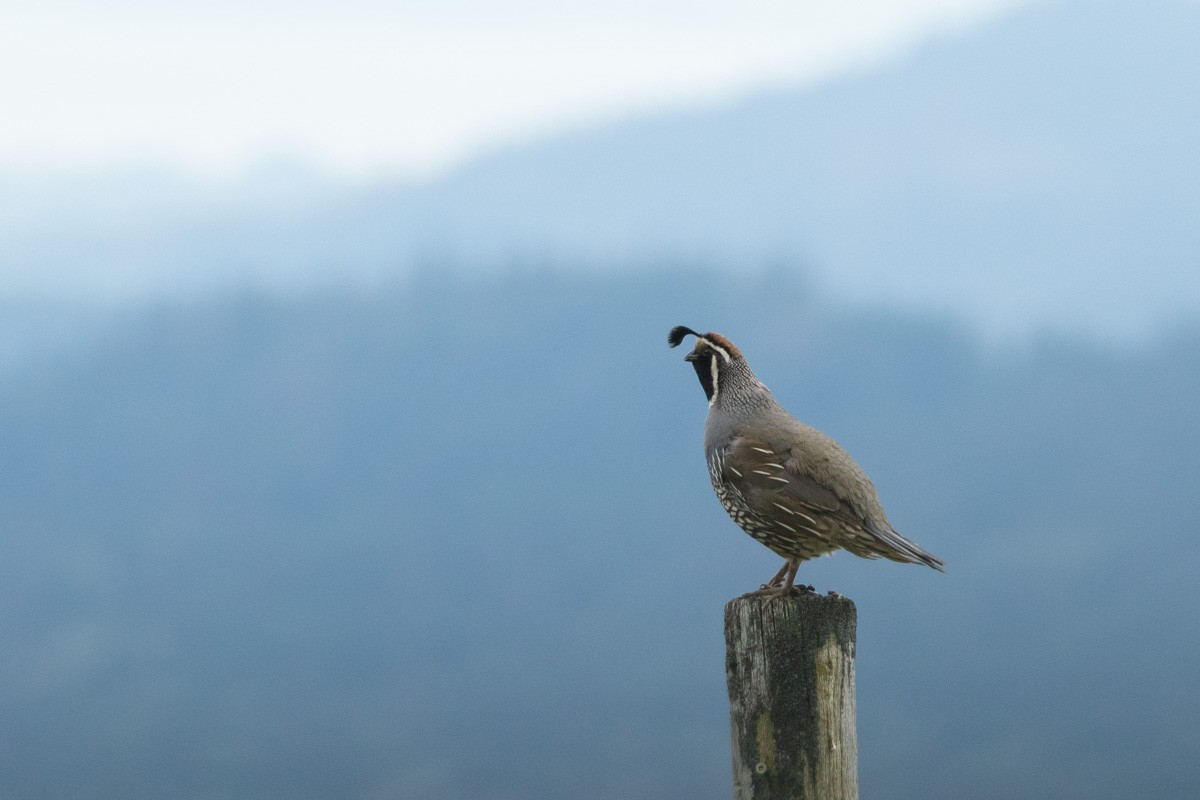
column 348, row 465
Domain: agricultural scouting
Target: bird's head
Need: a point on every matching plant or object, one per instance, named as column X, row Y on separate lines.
column 712, row 354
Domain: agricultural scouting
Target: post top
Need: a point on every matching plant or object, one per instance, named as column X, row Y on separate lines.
column 795, row 598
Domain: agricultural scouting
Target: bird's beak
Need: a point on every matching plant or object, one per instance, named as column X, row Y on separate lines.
column 692, row 356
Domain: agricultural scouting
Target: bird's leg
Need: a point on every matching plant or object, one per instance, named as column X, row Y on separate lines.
column 786, row 587
column 781, row 584
column 791, row 566
column 777, row 581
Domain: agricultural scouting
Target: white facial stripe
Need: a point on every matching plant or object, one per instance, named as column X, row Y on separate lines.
column 712, row 363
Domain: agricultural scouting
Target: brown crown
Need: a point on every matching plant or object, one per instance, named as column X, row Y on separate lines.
column 724, row 344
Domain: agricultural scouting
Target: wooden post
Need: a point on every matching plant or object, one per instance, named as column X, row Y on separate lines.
column 790, row 668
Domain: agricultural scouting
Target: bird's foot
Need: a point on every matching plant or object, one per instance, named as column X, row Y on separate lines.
column 780, row 578
column 772, row 592
column 782, row 585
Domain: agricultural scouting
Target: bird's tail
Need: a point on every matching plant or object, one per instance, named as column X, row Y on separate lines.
column 898, row 548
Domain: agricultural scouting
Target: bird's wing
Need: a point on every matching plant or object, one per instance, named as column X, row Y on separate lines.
column 774, row 488
column 778, row 486
column 783, row 486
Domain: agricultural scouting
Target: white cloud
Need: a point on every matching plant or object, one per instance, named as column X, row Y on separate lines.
column 403, row 87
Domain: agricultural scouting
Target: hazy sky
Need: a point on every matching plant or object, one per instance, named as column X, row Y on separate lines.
column 359, row 86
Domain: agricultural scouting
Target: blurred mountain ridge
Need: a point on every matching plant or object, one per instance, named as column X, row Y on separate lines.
column 457, row 540
column 1039, row 171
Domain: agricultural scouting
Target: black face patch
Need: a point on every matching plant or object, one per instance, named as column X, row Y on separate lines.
column 704, row 371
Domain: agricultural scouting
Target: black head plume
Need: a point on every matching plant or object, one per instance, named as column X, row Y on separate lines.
column 677, row 333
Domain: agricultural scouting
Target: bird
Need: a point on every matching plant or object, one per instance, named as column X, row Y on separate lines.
column 787, row 484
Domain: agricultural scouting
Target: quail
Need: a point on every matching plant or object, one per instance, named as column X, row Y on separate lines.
column 788, row 485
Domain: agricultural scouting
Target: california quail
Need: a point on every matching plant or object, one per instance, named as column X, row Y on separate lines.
column 786, row 484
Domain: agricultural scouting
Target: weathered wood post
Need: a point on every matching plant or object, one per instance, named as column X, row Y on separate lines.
column 790, row 668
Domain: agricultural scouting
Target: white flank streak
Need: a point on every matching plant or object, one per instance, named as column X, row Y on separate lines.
column 775, row 478
column 768, row 452
column 785, row 525
column 806, row 516
column 776, row 466
column 735, row 472
column 785, row 509
column 761, row 472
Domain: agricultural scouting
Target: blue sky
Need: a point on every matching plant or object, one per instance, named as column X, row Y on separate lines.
column 363, row 88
